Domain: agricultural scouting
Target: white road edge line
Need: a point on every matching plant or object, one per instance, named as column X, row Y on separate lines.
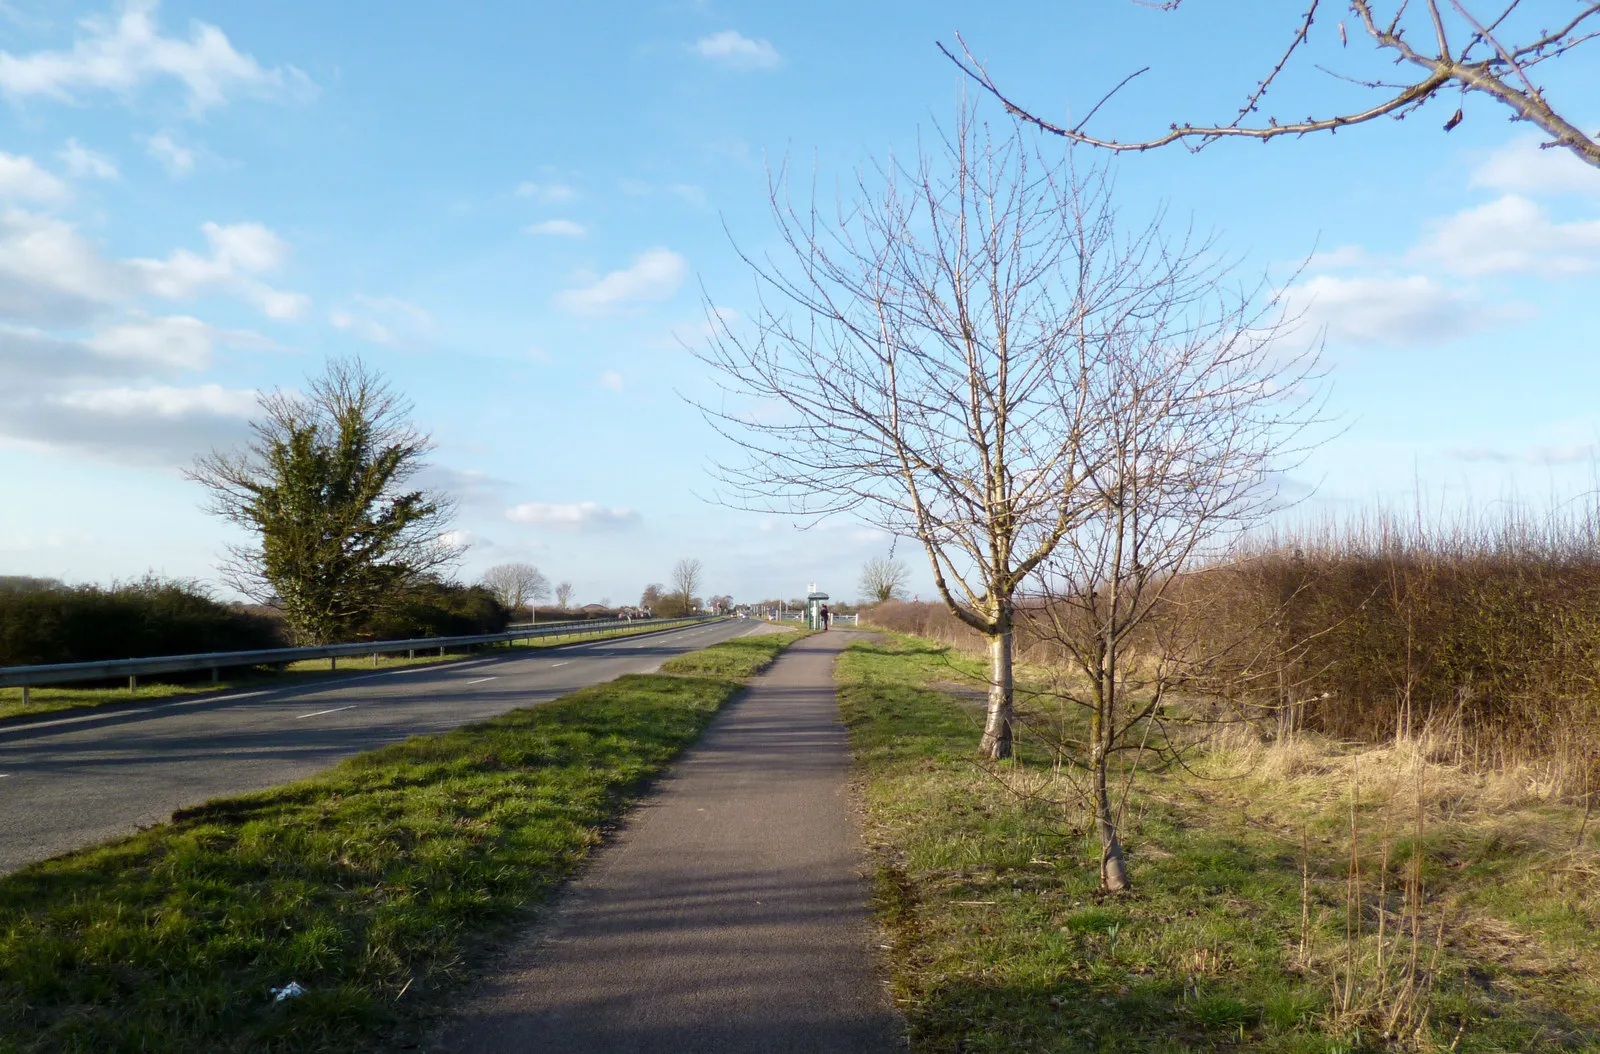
column 555, row 664
column 319, row 713
column 480, row 680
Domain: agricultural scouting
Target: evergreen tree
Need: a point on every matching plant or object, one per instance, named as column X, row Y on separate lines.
column 323, row 488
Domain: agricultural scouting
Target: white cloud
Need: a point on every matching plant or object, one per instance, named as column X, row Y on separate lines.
column 654, row 275
column 574, row 516
column 247, row 246
column 174, row 342
column 557, row 228
column 548, row 193
column 689, row 192
column 178, row 160
column 1522, row 167
column 461, row 541
column 179, row 341
column 385, row 320
column 611, row 379
column 1395, row 311
column 160, row 426
column 32, row 362
column 736, row 51
column 124, row 53
column 1340, row 258
column 165, row 402
column 1510, row 235
column 239, row 253
column 82, row 162
column 50, row 275
column 23, row 180
column 694, row 334
column 467, row 486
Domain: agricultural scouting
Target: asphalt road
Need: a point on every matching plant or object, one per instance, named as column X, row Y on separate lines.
column 84, row 777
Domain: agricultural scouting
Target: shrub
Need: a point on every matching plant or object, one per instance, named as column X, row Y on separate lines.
column 1480, row 635
column 1483, row 635
column 47, row 622
column 439, row 609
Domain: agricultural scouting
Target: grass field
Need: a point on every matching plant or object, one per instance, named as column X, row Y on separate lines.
column 377, row 886
column 1243, row 931
column 48, row 700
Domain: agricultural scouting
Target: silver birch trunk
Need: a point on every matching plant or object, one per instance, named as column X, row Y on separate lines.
column 996, row 743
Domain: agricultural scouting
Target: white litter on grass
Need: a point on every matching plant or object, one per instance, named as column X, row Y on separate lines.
column 288, row 991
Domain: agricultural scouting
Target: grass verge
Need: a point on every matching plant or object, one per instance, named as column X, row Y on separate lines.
column 739, row 658
column 376, row 885
column 49, row 700
column 1001, row 940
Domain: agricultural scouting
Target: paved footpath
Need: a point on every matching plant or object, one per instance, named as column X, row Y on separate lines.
column 730, row 915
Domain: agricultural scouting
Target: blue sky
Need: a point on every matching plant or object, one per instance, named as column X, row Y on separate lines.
column 511, row 209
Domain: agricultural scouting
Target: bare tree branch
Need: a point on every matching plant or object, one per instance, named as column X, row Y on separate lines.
column 1503, row 74
column 927, row 358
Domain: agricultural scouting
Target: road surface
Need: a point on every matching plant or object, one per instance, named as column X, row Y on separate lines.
column 82, row 777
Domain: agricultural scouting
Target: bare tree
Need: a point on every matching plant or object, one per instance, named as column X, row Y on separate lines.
column 564, row 594
column 323, row 487
column 1452, row 49
column 922, row 362
column 883, row 579
column 517, row 586
column 1198, row 414
column 686, row 577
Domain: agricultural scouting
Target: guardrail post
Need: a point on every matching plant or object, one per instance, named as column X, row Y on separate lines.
column 216, row 674
column 441, row 651
column 374, row 660
column 24, row 695
column 333, row 662
column 133, row 682
column 411, row 653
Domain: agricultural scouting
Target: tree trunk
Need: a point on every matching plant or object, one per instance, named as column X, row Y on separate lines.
column 996, row 745
column 1113, row 867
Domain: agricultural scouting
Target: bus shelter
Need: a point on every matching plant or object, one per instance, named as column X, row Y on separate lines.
column 814, row 601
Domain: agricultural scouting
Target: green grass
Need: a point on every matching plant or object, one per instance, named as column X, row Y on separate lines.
column 739, row 658
column 378, row 885
column 1002, row 941
column 49, row 700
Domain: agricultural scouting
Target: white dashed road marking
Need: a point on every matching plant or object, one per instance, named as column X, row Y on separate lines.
column 319, row 713
column 555, row 664
column 480, row 680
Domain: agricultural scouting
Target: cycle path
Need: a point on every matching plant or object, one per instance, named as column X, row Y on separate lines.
column 731, row 913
